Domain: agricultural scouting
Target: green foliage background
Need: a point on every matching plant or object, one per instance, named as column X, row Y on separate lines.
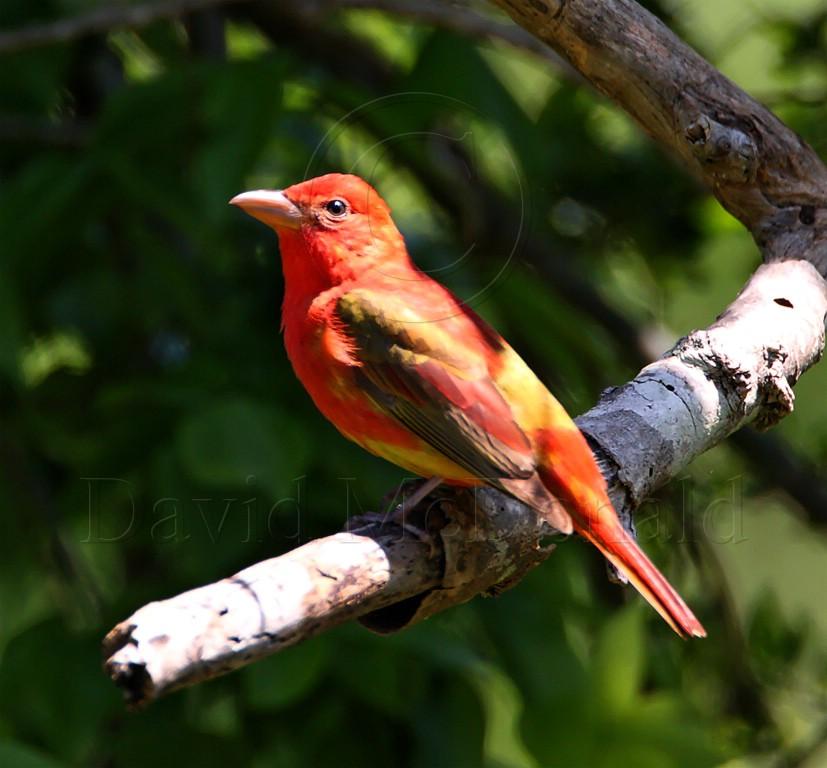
column 139, row 343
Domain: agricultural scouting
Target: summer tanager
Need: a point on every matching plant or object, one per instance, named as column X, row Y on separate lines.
column 405, row 369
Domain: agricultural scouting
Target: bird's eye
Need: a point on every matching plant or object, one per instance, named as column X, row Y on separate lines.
column 336, row 207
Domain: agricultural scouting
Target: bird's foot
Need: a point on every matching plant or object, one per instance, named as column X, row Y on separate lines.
column 401, row 514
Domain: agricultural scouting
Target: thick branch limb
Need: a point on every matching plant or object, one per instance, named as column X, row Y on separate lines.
column 741, row 369
column 268, row 606
column 761, row 171
column 453, row 17
column 471, row 543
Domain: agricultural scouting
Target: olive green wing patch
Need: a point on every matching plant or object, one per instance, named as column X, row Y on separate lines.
column 409, row 370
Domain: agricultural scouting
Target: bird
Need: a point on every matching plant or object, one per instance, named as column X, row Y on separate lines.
column 408, row 371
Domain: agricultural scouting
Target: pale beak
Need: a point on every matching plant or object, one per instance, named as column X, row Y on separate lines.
column 271, row 206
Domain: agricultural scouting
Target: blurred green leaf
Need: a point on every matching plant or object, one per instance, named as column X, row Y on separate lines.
column 231, row 442
column 287, row 677
column 14, row 755
column 47, row 355
column 240, row 116
column 777, row 643
column 380, row 675
column 503, row 745
column 618, row 661
column 41, row 693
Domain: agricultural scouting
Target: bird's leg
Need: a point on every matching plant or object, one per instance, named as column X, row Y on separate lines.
column 420, row 493
column 409, row 503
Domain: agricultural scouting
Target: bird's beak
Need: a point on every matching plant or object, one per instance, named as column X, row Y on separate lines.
column 271, row 206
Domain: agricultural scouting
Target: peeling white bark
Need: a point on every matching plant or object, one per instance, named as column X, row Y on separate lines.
column 470, row 543
column 741, row 369
column 270, row 605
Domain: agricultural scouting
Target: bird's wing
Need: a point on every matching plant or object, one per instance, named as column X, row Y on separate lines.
column 433, row 383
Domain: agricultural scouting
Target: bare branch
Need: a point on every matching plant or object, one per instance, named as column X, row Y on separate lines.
column 739, row 370
column 761, row 171
column 98, row 21
column 268, row 606
column 459, row 18
column 470, row 543
column 454, row 17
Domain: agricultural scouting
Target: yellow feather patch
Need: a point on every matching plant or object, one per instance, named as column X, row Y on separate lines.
column 533, row 406
column 425, row 462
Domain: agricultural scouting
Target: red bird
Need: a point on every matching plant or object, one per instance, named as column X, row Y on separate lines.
column 406, row 370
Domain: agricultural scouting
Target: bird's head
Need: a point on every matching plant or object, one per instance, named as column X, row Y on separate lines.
column 335, row 225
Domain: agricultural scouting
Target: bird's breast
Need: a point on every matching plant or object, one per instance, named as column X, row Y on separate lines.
column 320, row 354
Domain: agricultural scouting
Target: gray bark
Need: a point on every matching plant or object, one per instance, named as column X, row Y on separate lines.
column 740, row 369
column 762, row 172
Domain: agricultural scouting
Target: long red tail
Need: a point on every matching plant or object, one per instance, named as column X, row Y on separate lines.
column 622, row 551
column 571, row 474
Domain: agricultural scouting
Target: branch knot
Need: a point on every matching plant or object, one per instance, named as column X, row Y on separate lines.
column 732, row 152
column 777, row 392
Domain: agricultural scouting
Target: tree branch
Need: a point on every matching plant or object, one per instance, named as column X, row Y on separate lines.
column 762, row 172
column 470, row 543
column 268, row 606
column 454, row 17
column 98, row 21
column 739, row 370
column 645, row 432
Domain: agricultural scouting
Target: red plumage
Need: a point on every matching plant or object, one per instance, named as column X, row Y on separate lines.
column 403, row 368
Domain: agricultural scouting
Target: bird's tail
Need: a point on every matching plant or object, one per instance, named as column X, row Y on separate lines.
column 622, row 551
column 571, row 474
